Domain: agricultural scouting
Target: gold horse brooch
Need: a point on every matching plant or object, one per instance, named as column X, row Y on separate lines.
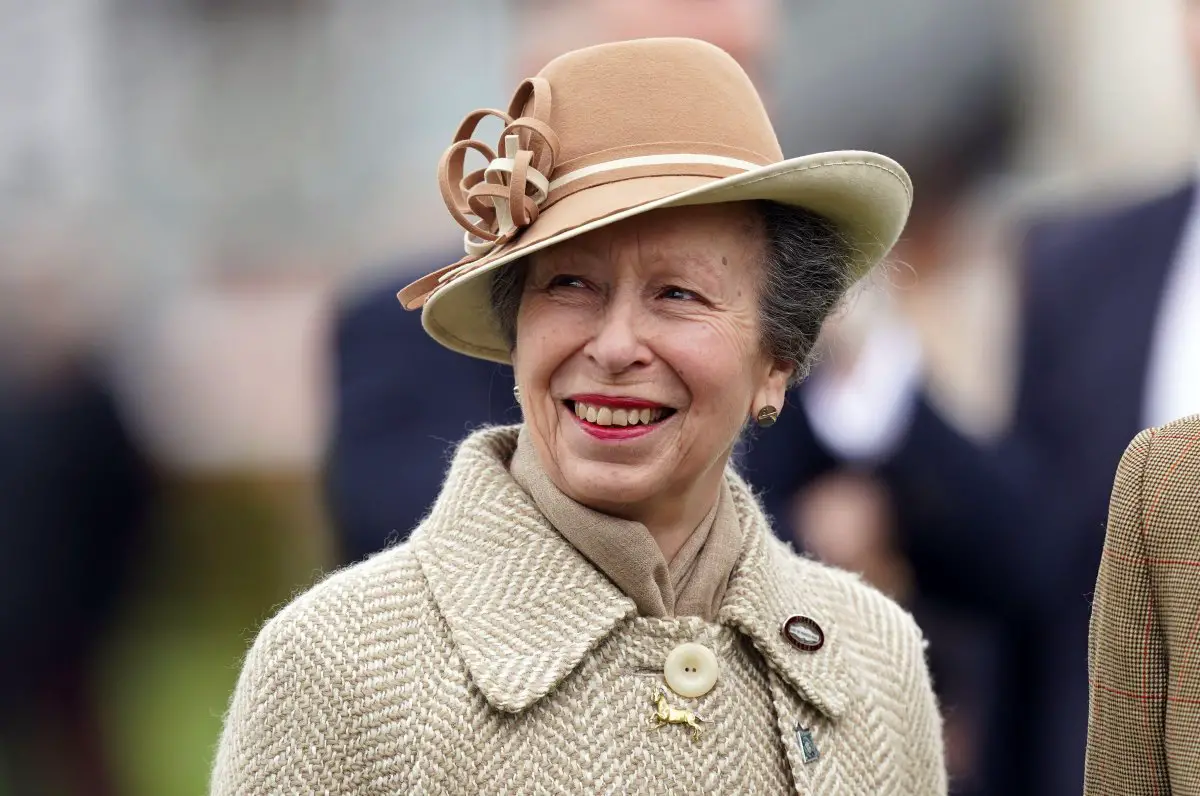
column 665, row 714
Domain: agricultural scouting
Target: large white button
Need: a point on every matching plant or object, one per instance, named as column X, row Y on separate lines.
column 691, row 670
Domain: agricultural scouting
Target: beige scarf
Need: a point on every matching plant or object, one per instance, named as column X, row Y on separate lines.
column 692, row 584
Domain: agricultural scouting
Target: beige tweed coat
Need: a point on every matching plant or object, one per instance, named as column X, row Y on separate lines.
column 1144, row 648
column 486, row 655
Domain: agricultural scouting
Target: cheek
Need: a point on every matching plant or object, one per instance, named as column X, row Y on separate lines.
column 716, row 361
column 546, row 336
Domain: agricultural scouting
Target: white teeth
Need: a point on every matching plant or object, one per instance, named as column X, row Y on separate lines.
column 607, row 416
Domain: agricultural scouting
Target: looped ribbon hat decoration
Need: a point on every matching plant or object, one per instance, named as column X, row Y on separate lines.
column 504, row 196
column 634, row 126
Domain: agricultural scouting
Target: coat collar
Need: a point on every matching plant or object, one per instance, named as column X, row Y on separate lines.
column 524, row 607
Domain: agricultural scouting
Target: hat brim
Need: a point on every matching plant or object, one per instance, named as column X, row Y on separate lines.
column 867, row 196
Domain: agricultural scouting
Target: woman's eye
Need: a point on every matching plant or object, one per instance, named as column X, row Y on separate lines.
column 566, row 280
column 677, row 294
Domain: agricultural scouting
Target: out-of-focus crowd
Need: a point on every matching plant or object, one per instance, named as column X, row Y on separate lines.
column 209, row 394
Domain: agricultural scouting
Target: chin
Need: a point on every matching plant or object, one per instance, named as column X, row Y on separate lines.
column 599, row 484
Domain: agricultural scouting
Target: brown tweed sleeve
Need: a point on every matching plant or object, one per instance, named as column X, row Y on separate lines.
column 1126, row 753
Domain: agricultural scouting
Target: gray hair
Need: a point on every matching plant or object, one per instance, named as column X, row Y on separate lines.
column 807, row 269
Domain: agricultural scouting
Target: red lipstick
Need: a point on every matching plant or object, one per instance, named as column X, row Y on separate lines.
column 615, row 402
column 615, row 433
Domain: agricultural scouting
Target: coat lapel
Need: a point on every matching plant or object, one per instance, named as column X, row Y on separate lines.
column 771, row 584
column 524, row 607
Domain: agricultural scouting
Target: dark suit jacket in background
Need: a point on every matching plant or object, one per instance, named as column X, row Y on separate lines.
column 1015, row 531
column 75, row 494
column 402, row 403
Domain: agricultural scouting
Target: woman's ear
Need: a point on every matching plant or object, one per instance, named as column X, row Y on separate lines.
column 773, row 390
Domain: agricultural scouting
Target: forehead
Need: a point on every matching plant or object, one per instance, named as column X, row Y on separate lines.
column 701, row 236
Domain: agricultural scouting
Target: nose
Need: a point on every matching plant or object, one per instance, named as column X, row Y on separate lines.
column 617, row 345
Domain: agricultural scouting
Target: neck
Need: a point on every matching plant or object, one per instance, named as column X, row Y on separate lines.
column 671, row 521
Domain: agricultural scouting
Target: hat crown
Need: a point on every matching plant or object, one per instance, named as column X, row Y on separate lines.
column 653, row 97
column 602, row 115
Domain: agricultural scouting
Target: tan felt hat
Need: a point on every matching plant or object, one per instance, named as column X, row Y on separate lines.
column 607, row 132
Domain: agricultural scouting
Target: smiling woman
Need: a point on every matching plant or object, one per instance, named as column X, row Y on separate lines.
column 656, row 273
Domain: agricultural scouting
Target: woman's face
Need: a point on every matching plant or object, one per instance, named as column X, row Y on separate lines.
column 639, row 357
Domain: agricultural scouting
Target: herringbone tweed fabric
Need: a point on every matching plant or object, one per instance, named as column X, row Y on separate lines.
column 1144, row 648
column 486, row 655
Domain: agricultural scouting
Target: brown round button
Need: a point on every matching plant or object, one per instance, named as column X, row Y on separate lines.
column 803, row 633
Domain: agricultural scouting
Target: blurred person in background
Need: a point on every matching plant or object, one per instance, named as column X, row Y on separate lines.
column 813, row 478
column 1012, row 528
column 595, row 574
column 392, row 434
column 75, row 492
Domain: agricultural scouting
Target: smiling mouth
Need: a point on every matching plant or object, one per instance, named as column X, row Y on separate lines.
column 604, row 415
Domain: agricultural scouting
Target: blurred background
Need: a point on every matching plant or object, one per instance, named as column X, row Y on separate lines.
column 193, row 192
